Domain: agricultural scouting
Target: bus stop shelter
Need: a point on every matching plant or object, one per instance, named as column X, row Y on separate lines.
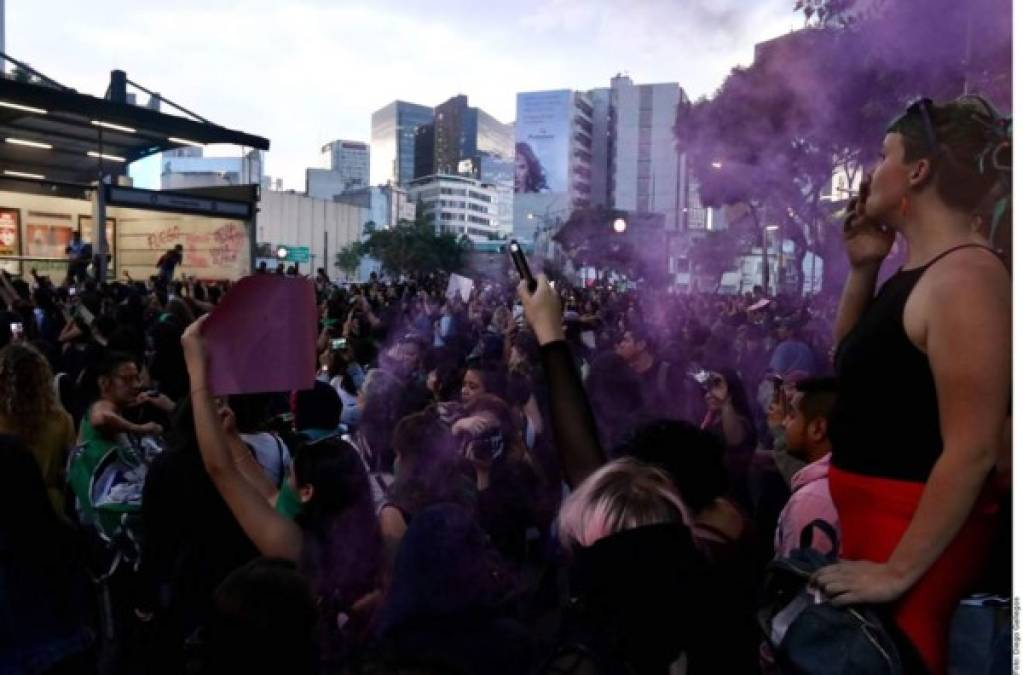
column 63, row 162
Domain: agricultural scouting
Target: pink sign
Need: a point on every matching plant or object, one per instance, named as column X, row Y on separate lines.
column 262, row 337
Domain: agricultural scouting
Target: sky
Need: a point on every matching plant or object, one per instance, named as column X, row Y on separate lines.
column 306, row 72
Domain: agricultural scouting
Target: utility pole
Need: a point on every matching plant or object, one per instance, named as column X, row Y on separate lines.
column 765, row 265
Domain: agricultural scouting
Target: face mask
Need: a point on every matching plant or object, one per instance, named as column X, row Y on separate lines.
column 288, row 503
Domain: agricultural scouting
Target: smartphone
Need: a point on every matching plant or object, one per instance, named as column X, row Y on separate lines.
column 17, row 330
column 521, row 265
column 339, row 344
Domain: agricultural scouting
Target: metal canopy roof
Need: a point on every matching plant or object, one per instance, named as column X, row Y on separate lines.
column 50, row 132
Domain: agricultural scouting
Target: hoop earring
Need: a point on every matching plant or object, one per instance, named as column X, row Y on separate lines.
column 904, row 206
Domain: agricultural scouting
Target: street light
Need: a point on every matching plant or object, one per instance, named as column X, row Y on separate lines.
column 716, row 164
column 771, row 228
column 282, row 252
column 620, row 225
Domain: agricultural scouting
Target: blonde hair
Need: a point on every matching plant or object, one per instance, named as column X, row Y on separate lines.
column 622, row 495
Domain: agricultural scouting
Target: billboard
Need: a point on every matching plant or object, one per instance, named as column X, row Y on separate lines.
column 542, row 140
column 9, row 230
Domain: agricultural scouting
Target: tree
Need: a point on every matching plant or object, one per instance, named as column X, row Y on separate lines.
column 350, row 257
column 640, row 252
column 817, row 101
column 411, row 249
column 714, row 254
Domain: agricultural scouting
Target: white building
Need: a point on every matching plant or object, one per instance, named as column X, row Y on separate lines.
column 394, row 141
column 350, row 159
column 296, row 220
column 645, row 170
column 554, row 139
column 186, row 168
column 385, row 205
column 458, row 204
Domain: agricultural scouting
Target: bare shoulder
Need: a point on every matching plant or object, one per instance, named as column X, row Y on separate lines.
column 971, row 286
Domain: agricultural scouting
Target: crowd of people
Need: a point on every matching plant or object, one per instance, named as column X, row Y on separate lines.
column 571, row 480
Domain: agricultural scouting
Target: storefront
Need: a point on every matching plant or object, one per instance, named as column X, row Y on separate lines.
column 63, row 157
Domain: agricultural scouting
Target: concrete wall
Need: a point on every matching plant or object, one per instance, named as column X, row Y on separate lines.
column 293, row 219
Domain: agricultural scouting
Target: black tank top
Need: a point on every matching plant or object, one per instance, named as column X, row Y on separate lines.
column 885, row 421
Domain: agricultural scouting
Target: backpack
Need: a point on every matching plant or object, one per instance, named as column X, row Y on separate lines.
column 106, row 481
column 809, row 635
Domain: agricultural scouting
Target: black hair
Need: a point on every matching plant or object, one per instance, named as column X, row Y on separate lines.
column 737, row 391
column 263, row 620
column 819, row 396
column 616, row 396
column 338, row 477
column 639, row 333
column 318, row 408
column 449, row 380
column 105, row 366
column 252, row 412
column 495, row 379
column 344, row 547
column 519, row 389
column 692, row 457
column 429, row 471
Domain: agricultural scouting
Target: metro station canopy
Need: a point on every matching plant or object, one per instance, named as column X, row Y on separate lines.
column 54, row 133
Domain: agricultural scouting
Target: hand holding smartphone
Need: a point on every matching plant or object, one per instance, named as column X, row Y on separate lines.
column 521, row 265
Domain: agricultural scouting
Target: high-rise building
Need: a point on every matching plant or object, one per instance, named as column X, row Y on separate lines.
column 500, row 173
column 392, row 159
column 644, row 162
column 424, row 150
column 386, row 205
column 636, row 164
column 458, row 204
column 350, row 159
column 462, row 132
column 554, row 168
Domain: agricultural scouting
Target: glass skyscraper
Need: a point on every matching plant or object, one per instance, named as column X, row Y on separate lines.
column 392, row 157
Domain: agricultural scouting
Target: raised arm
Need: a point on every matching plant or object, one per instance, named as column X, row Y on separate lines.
column 575, row 431
column 867, row 243
column 273, row 534
column 103, row 416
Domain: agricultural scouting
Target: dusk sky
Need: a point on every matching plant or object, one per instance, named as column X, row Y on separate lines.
column 304, row 73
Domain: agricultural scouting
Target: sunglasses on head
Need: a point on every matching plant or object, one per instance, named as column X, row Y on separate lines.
column 922, row 107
